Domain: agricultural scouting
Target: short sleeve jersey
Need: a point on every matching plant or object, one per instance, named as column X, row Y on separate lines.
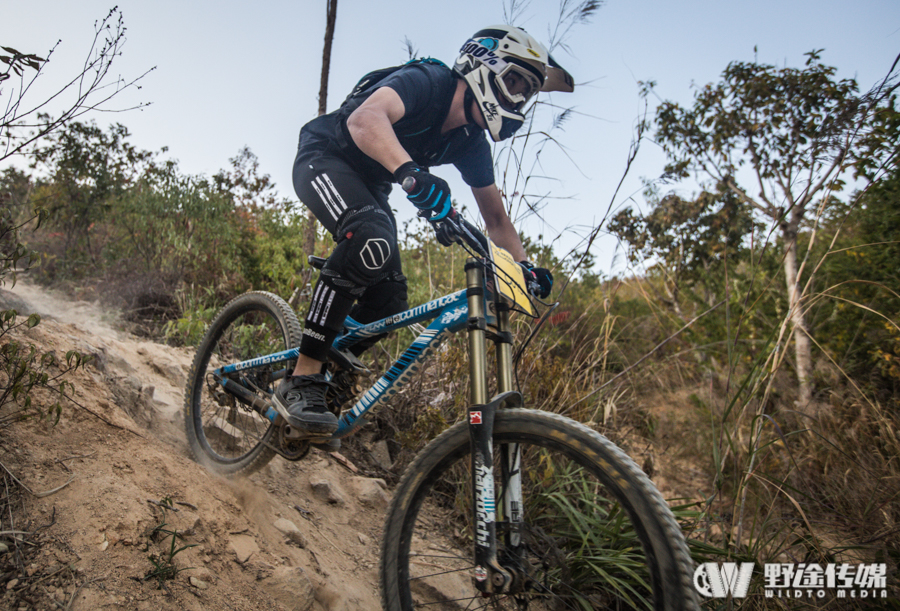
column 426, row 91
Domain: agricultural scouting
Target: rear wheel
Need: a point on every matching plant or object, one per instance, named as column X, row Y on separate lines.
column 594, row 534
column 224, row 431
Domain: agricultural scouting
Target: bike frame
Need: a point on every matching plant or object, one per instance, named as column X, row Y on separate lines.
column 485, row 317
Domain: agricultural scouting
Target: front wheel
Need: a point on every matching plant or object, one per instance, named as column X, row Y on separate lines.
column 594, row 533
column 224, row 431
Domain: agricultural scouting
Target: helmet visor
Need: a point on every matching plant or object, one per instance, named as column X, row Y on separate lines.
column 516, row 85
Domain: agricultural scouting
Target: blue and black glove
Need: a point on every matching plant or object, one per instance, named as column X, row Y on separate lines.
column 425, row 190
column 538, row 280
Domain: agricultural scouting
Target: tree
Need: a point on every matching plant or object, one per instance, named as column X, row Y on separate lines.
column 85, row 169
column 792, row 132
column 309, row 235
column 24, row 121
column 330, row 17
column 859, row 311
column 686, row 239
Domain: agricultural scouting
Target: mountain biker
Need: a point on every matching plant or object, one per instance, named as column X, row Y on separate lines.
column 420, row 115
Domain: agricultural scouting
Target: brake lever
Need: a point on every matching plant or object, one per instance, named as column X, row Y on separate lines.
column 459, row 223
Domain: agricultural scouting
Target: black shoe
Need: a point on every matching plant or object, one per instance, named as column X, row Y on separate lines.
column 303, row 397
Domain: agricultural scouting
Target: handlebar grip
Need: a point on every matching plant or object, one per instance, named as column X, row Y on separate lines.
column 409, row 183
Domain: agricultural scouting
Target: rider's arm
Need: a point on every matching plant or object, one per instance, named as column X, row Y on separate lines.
column 499, row 227
column 371, row 127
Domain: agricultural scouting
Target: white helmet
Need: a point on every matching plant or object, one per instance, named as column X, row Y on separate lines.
column 504, row 68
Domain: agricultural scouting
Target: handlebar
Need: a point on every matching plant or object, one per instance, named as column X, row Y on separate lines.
column 466, row 231
column 463, row 228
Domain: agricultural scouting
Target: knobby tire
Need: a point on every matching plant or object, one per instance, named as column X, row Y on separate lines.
column 225, row 434
column 586, row 507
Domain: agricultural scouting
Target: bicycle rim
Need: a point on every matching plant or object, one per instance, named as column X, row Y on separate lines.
column 595, row 534
column 224, row 431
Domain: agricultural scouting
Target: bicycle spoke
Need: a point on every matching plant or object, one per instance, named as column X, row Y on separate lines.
column 224, row 431
column 574, row 546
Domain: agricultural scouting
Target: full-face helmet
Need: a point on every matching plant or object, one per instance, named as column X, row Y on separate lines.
column 504, row 68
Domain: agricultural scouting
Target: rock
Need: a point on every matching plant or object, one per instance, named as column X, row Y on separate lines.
column 104, row 360
column 11, row 301
column 290, row 587
column 381, row 455
column 371, row 492
column 263, row 569
column 198, row 583
column 244, row 546
column 136, row 399
column 3, row 548
column 326, row 491
column 285, row 526
column 204, row 574
column 290, row 530
column 170, row 371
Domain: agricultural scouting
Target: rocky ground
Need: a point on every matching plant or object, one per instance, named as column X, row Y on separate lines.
column 91, row 502
column 296, row 536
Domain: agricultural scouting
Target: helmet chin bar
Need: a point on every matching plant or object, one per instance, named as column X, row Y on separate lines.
column 508, row 127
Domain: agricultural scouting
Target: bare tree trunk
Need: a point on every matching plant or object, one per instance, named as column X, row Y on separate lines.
column 330, row 17
column 802, row 345
column 309, row 237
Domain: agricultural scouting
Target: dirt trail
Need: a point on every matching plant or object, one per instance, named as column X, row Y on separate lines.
column 297, row 536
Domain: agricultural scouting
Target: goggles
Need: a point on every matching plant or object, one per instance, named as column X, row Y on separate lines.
column 516, row 85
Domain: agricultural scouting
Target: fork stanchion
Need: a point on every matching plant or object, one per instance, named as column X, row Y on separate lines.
column 503, row 344
column 477, row 326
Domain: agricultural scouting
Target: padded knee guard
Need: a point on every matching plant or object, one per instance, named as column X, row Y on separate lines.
column 366, row 252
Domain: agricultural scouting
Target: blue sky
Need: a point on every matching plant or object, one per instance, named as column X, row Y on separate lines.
column 229, row 74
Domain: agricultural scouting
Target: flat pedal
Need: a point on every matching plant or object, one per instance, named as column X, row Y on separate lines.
column 347, row 361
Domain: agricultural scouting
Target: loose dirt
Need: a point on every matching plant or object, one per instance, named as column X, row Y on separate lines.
column 298, row 536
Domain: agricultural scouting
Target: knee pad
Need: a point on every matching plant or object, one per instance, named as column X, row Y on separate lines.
column 366, row 251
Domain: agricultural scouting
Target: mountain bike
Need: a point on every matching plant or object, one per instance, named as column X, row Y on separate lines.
column 510, row 508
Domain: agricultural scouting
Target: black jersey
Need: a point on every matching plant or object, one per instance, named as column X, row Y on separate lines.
column 426, row 90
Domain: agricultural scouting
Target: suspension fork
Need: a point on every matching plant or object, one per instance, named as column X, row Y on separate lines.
column 490, row 576
column 510, row 454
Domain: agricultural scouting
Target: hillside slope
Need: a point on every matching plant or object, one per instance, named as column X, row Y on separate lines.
column 298, row 536
column 122, row 453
